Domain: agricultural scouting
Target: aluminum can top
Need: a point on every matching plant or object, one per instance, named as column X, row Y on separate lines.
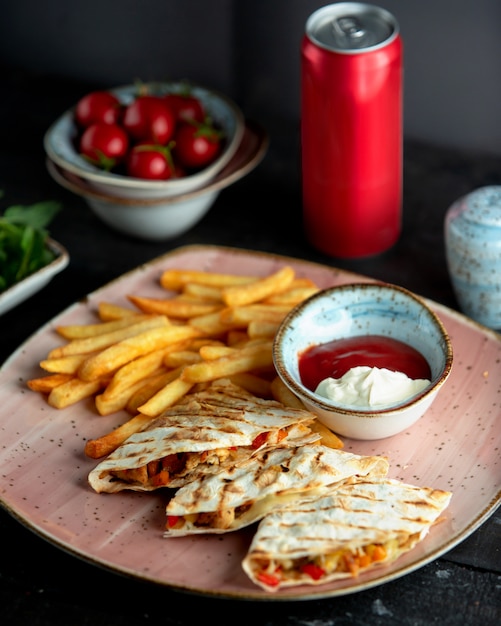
column 351, row 27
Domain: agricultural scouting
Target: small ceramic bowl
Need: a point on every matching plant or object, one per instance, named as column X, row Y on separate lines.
column 363, row 309
column 59, row 147
column 159, row 219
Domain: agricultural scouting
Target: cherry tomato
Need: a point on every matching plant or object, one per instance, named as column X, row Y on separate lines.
column 196, row 145
column 185, row 106
column 150, row 161
column 149, row 118
column 105, row 145
column 98, row 107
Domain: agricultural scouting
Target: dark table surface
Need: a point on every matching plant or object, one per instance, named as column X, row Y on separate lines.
column 42, row 585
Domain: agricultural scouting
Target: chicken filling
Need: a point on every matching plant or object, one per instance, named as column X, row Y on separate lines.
column 159, row 473
column 221, row 520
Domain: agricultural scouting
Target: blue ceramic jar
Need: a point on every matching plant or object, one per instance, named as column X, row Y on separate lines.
column 473, row 251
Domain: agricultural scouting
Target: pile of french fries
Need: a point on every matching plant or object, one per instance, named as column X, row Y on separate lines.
column 146, row 358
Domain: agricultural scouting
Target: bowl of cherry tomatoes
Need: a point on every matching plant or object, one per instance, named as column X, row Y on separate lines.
column 150, row 159
column 160, row 219
column 147, row 140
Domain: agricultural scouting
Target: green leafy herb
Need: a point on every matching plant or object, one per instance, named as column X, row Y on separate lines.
column 23, row 241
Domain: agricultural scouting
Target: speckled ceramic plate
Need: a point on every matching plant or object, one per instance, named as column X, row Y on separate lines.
column 455, row 446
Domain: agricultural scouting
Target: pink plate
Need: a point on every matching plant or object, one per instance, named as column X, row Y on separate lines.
column 455, row 446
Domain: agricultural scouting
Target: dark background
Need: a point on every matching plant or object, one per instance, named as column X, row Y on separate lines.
column 250, row 50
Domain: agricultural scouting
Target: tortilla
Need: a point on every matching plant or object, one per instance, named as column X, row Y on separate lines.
column 363, row 524
column 241, row 495
column 216, row 428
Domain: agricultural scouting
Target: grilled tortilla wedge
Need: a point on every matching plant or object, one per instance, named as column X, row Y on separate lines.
column 212, row 429
column 241, row 495
column 363, row 524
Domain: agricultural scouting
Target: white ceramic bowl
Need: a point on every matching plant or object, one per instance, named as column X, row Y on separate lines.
column 59, row 146
column 362, row 309
column 158, row 219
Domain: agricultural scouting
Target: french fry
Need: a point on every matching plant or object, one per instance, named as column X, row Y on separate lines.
column 329, row 438
column 149, row 388
column 203, row 292
column 97, row 448
column 134, row 371
column 64, row 365
column 175, row 279
column 253, row 341
column 187, row 351
column 255, row 384
column 211, row 324
column 110, row 359
column 174, row 307
column 291, row 297
column 283, row 394
column 262, row 328
column 241, row 316
column 301, row 282
column 188, row 297
column 72, row 391
column 109, row 403
column 107, row 311
column 79, row 331
column 196, row 344
column 244, row 360
column 209, row 353
column 146, row 359
column 182, row 357
column 243, row 295
column 45, row 384
column 100, row 342
column 166, row 397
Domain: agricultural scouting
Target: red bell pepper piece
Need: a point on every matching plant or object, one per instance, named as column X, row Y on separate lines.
column 314, row 571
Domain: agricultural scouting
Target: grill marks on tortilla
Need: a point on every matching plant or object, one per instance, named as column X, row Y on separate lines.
column 222, row 420
column 335, row 531
column 270, row 479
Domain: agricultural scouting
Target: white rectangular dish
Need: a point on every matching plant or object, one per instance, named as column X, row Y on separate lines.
column 25, row 288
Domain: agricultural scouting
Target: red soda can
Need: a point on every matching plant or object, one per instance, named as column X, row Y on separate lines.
column 352, row 129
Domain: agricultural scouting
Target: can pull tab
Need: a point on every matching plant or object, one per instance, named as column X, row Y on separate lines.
column 349, row 30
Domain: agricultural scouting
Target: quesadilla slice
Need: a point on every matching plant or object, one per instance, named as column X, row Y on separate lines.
column 241, row 495
column 212, row 429
column 362, row 524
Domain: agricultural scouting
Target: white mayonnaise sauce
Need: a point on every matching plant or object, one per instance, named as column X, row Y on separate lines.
column 370, row 387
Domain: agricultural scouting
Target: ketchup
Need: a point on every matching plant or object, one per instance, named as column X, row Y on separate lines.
column 335, row 358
